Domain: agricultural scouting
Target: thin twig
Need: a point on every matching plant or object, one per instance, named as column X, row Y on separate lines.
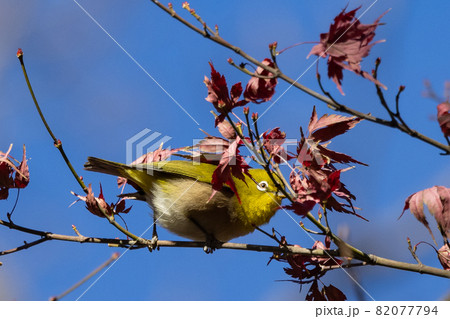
column 9, row 215
column 413, row 252
column 56, row 141
column 24, row 246
column 381, row 94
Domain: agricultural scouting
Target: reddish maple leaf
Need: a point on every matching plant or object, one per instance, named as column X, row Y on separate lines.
column 226, row 129
column 213, row 144
column 327, row 293
column 312, row 151
column 444, row 257
column 208, row 150
column 443, row 116
column 317, row 180
column 231, row 164
column 260, row 90
column 273, row 142
column 346, row 44
column 93, row 204
column 13, row 174
column 303, row 267
column 314, row 293
column 437, row 199
column 22, row 177
column 218, row 94
column 330, row 126
column 333, row 294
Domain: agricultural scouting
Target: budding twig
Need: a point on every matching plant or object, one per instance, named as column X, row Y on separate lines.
column 56, row 142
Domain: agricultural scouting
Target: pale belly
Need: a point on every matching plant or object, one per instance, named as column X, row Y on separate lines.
column 177, row 204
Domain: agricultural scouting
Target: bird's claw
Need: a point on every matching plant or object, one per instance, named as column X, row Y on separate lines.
column 153, row 244
column 211, row 244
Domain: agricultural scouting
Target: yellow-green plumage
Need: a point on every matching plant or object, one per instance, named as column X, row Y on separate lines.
column 179, row 193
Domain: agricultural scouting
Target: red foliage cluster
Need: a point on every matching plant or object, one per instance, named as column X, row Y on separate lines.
column 443, row 116
column 93, row 204
column 316, row 180
column 346, row 44
column 308, row 269
column 304, row 267
column 13, row 174
column 273, row 143
column 231, row 163
column 218, row 94
column 327, row 293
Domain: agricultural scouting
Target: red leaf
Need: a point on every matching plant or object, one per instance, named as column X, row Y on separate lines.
column 218, row 94
column 22, row 177
column 260, row 90
column 8, row 168
column 337, row 157
column 236, row 91
column 346, row 44
column 330, row 126
column 213, row 144
column 334, row 294
column 231, row 164
column 226, row 129
column 314, row 294
column 4, row 193
column 93, row 203
column 443, row 116
column 313, row 120
column 301, row 207
column 273, row 142
column 437, row 199
column 444, row 257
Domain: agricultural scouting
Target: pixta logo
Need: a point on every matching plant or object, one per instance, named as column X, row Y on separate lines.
column 144, row 142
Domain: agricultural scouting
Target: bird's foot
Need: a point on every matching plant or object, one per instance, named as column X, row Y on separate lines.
column 153, row 245
column 211, row 244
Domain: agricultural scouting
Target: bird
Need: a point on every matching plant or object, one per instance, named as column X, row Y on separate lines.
column 179, row 193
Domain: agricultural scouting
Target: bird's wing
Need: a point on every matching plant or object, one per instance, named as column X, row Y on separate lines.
column 200, row 171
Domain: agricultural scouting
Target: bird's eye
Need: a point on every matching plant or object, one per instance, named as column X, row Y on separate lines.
column 262, row 186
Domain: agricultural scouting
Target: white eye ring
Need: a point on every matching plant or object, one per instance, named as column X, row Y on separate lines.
column 262, row 186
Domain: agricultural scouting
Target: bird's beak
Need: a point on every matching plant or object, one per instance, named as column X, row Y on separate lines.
column 280, row 194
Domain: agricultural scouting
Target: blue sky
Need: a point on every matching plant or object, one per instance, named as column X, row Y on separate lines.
column 96, row 98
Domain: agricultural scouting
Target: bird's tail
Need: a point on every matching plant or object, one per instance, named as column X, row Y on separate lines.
column 95, row 164
column 140, row 178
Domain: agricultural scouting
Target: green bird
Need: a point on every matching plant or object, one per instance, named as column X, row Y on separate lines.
column 179, row 192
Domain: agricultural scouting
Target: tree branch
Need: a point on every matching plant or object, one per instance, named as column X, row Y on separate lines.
column 128, row 244
column 278, row 73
